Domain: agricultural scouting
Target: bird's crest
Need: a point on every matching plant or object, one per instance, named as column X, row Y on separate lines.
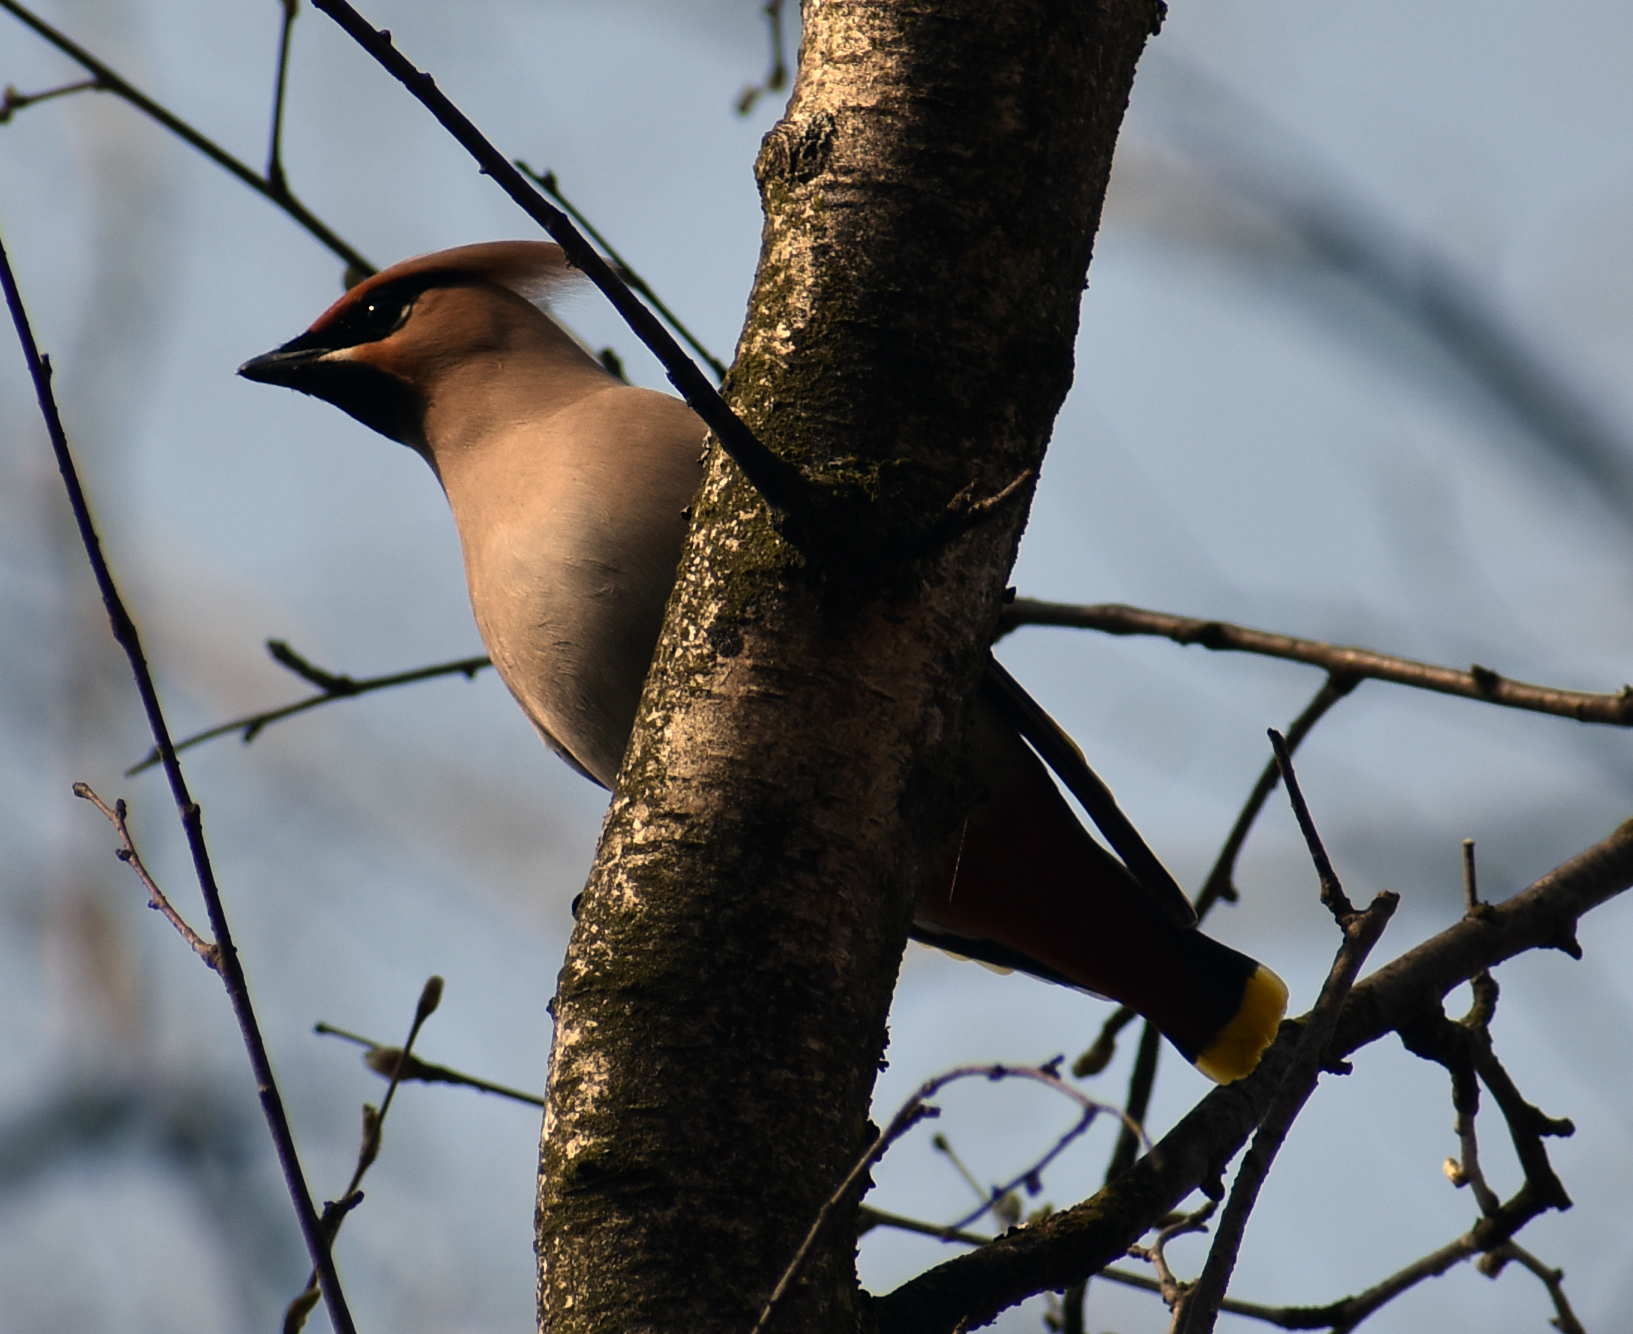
column 532, row 269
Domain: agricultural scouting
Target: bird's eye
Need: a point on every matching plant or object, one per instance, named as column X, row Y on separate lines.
column 382, row 314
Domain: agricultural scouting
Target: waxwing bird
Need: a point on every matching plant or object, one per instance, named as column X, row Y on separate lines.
column 568, row 489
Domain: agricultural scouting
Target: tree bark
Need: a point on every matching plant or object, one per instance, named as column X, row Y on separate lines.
column 931, row 199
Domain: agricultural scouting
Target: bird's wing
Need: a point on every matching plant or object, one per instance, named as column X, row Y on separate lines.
column 1062, row 755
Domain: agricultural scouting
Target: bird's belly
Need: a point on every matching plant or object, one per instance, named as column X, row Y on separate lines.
column 572, row 640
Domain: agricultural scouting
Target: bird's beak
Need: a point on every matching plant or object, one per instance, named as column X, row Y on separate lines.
column 287, row 365
column 312, row 365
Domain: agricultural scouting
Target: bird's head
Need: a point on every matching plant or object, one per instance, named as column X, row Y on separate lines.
column 382, row 351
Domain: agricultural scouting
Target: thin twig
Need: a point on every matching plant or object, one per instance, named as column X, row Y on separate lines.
column 914, row 1110
column 156, row 899
column 868, row 1218
column 1343, row 1316
column 1071, row 1243
column 1129, row 1279
column 1553, row 1279
column 776, row 78
column 374, row 1123
column 1172, row 1290
column 1465, row 1050
column 396, row 1063
column 1200, row 1305
column 336, row 687
column 1465, row 1169
column 942, row 1145
column 782, row 485
column 1220, row 883
column 547, row 182
column 910, row 1115
column 1031, row 1174
column 1333, row 897
column 109, row 82
column 12, row 101
column 966, row 512
column 1478, row 682
column 274, row 160
column 228, row 967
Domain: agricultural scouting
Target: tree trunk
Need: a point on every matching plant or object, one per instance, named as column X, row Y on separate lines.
column 931, row 198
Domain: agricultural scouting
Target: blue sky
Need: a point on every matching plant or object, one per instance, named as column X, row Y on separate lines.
column 1254, row 436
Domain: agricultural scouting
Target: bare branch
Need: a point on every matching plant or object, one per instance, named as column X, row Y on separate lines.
column 1478, row 682
column 776, row 78
column 782, row 485
column 1199, row 1307
column 109, row 82
column 1171, row 1289
column 1465, row 1170
column 914, row 1110
column 12, row 101
column 548, row 183
column 373, row 1126
column 1220, row 883
column 402, row 1065
column 207, row 950
column 1553, row 1279
column 869, row 1218
column 1333, row 897
column 1465, row 1050
column 1062, row 1249
column 333, row 687
column 1345, row 1315
column 274, row 159
column 228, row 967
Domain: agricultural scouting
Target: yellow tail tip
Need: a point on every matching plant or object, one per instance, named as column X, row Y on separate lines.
column 1242, row 1041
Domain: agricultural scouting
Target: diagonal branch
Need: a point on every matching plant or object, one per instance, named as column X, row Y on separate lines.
column 332, row 687
column 106, row 80
column 157, row 899
column 400, row 1064
column 374, row 1124
column 1478, row 682
column 1198, row 1308
column 783, row 486
column 227, row 964
column 1220, row 883
column 547, row 182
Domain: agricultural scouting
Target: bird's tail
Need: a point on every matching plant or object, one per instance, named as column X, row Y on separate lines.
column 1026, row 886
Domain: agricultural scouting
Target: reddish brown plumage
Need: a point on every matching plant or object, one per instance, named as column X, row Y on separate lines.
column 532, row 269
column 1027, row 875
